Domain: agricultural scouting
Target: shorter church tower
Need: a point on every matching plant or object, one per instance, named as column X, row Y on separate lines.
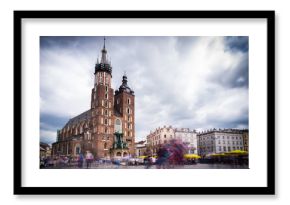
column 124, row 104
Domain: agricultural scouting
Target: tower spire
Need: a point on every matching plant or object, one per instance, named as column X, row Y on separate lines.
column 104, row 62
column 104, row 43
column 104, row 53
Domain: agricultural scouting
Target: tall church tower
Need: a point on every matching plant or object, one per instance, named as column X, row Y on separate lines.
column 102, row 106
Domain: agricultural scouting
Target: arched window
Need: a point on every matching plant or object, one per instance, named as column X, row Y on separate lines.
column 128, row 101
column 77, row 149
column 118, row 126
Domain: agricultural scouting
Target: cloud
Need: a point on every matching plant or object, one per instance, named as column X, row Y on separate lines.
column 194, row 82
column 47, row 136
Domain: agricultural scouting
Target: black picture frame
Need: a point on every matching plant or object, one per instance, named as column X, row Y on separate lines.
column 269, row 16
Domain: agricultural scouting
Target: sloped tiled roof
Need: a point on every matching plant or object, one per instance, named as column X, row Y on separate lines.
column 84, row 116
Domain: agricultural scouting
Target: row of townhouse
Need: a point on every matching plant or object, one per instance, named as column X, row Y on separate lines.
column 201, row 143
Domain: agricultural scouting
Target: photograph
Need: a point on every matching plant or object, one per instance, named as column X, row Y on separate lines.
column 144, row 102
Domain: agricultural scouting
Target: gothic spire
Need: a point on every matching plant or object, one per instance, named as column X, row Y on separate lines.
column 104, row 63
column 104, row 53
column 104, row 43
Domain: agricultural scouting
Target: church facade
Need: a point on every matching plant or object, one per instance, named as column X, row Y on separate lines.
column 107, row 129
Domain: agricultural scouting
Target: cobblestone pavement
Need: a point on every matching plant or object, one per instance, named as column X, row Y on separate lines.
column 194, row 166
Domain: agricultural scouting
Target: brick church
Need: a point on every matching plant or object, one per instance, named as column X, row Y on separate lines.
column 107, row 129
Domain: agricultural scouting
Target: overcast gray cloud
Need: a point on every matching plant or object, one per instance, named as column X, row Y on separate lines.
column 193, row 82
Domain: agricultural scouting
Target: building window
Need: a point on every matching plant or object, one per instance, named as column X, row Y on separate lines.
column 106, row 112
column 105, row 145
column 164, row 136
column 118, row 101
column 106, row 95
column 128, row 110
column 106, row 121
column 128, row 101
column 106, row 103
column 106, row 88
column 78, row 150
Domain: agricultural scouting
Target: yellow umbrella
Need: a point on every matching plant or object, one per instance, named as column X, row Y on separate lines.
column 142, row 157
column 191, row 156
column 237, row 152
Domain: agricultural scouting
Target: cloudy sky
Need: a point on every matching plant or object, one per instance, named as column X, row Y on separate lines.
column 190, row 82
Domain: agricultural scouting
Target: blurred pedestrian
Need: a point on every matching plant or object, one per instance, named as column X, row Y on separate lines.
column 80, row 160
column 148, row 162
column 89, row 159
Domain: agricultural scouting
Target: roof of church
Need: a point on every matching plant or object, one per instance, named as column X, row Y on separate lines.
column 81, row 117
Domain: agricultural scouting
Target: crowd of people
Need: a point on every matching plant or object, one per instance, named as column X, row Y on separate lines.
column 168, row 156
column 62, row 161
